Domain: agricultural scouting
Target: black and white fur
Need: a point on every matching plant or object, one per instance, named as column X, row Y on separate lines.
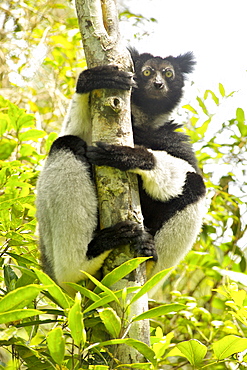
column 172, row 191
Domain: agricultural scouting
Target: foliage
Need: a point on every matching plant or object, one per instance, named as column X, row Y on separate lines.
column 40, row 53
column 199, row 317
column 204, row 323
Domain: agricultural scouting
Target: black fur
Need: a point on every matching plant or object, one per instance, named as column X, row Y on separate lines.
column 123, row 233
column 183, row 64
column 166, row 138
column 70, row 143
column 123, row 158
column 104, row 77
column 156, row 213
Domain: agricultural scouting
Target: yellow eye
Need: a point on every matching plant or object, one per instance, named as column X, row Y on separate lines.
column 168, row 73
column 146, row 72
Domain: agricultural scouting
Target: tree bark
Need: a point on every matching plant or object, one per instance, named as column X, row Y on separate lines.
column 118, row 195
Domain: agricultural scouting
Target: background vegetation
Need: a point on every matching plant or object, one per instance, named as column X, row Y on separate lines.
column 199, row 316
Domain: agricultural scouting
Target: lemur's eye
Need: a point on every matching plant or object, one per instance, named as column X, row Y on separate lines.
column 146, row 72
column 168, row 73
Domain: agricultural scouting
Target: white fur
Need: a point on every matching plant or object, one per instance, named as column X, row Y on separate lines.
column 167, row 178
column 67, row 215
column 177, row 236
column 78, row 119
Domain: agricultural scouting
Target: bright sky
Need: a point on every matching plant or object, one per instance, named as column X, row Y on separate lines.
column 215, row 30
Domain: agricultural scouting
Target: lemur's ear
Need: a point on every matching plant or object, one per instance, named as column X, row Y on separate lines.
column 186, row 62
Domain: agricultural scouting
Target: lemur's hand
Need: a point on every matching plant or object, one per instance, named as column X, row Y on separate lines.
column 104, row 77
column 122, row 157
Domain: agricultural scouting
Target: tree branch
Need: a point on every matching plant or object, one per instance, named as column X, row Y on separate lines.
column 111, row 122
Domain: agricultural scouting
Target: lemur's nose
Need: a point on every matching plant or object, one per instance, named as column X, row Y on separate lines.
column 158, row 85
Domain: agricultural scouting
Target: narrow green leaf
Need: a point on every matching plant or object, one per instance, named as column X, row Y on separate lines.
column 84, row 291
column 222, row 90
column 17, row 315
column 214, row 97
column 150, row 284
column 75, row 322
column 190, row 108
column 56, row 345
column 158, row 311
column 103, row 301
column 193, row 350
column 202, row 105
column 54, row 290
column 143, row 348
column 107, row 299
column 242, row 126
column 229, row 345
column 240, row 115
column 19, row 298
column 203, row 128
column 119, row 272
column 24, row 260
column 102, row 287
column 111, row 321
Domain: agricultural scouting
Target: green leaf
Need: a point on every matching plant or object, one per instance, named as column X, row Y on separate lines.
column 190, row 108
column 6, row 148
column 119, row 272
column 203, row 128
column 241, row 122
column 240, row 115
column 52, row 136
column 84, row 291
column 158, row 311
column 54, row 290
column 17, row 315
column 150, row 284
column 101, row 302
column 10, row 278
column 75, row 322
column 24, row 260
column 193, row 350
column 6, row 204
column 20, row 297
column 3, row 123
column 222, row 90
column 202, row 105
column 163, row 343
column 25, row 120
column 107, row 299
column 32, row 134
column 111, row 321
column 56, row 345
column 229, row 345
column 143, row 348
column 214, row 97
column 102, row 287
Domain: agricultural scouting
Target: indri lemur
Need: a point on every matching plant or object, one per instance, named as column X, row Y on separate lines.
column 171, row 188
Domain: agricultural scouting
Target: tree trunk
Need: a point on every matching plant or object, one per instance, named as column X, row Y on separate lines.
column 111, row 122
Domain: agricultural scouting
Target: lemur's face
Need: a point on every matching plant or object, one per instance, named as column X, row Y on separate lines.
column 157, row 76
